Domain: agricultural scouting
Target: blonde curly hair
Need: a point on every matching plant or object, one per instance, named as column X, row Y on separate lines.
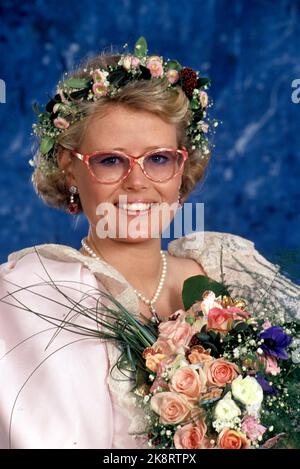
column 154, row 96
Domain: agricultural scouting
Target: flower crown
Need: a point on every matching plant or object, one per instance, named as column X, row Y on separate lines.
column 63, row 110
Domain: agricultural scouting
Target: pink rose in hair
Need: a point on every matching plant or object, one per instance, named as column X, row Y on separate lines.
column 100, row 76
column 172, row 76
column 99, row 89
column 61, row 123
column 155, row 65
column 203, row 99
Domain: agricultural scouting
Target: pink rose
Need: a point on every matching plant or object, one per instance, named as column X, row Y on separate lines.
column 219, row 320
column 203, row 99
column 179, row 332
column 172, row 76
column 238, row 313
column 221, row 372
column 130, row 61
column 252, row 428
column 61, row 123
column 135, row 62
column 164, row 346
column 100, row 75
column 171, row 407
column 154, row 64
column 191, row 436
column 232, row 439
column 188, row 382
column 272, row 365
column 99, row 89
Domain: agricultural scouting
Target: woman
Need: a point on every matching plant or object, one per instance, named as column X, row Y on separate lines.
column 59, row 390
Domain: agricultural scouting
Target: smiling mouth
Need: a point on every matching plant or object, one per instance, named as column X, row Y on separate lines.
column 136, row 208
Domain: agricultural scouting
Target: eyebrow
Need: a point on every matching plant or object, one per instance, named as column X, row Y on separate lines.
column 146, row 149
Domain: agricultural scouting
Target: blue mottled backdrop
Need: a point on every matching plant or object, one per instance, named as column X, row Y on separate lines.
column 249, row 48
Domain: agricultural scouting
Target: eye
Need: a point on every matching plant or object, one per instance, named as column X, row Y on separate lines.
column 107, row 160
column 160, row 158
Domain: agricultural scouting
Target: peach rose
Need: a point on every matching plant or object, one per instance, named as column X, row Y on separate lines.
column 188, row 382
column 219, row 320
column 171, row 407
column 152, row 361
column 232, row 439
column 198, row 354
column 221, row 372
column 190, row 436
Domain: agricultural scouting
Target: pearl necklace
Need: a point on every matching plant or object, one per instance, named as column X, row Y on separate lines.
column 150, row 303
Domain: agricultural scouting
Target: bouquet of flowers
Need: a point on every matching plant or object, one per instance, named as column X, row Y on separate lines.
column 211, row 376
column 220, row 378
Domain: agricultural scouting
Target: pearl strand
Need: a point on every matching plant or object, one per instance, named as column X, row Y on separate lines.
column 151, row 302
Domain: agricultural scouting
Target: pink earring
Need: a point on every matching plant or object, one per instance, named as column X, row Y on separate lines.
column 73, row 206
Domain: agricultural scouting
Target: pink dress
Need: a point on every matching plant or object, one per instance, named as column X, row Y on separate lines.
column 59, row 391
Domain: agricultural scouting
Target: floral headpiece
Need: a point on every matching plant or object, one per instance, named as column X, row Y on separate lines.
column 63, row 110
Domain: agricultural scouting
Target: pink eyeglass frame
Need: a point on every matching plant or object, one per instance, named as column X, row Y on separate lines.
column 132, row 161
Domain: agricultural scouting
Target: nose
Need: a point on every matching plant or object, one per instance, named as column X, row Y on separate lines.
column 136, row 179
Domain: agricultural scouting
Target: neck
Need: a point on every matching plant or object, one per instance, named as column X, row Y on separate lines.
column 138, row 261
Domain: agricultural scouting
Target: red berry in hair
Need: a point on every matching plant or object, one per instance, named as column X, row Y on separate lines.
column 189, row 80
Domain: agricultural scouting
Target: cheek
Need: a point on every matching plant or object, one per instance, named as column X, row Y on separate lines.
column 92, row 193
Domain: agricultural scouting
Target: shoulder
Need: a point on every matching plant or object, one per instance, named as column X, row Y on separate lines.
column 210, row 240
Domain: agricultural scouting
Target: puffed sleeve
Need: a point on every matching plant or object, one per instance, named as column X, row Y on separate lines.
column 53, row 391
column 235, row 261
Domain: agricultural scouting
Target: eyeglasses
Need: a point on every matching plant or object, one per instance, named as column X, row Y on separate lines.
column 110, row 166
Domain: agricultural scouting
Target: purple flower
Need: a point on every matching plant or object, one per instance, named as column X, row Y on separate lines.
column 266, row 387
column 275, row 342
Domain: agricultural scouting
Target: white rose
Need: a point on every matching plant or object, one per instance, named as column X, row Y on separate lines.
column 226, row 408
column 247, row 390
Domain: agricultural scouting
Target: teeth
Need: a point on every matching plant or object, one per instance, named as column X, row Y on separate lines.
column 135, row 206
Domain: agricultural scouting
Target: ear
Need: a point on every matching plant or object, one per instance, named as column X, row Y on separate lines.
column 65, row 163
